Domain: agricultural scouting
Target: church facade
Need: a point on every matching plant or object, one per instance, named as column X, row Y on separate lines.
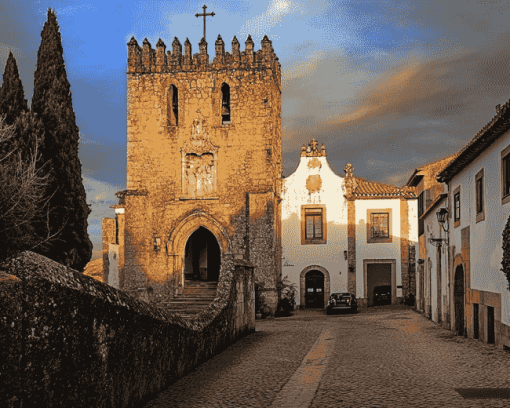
column 204, row 165
column 345, row 234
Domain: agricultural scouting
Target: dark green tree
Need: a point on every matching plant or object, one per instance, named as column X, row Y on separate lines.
column 12, row 101
column 12, row 96
column 65, row 225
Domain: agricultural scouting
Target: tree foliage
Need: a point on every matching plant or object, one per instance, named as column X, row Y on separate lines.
column 505, row 263
column 52, row 102
column 12, row 101
column 12, row 96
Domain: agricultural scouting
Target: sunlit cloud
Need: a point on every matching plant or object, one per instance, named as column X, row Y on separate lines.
column 276, row 11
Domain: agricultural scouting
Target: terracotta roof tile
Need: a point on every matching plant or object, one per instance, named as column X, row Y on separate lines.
column 367, row 188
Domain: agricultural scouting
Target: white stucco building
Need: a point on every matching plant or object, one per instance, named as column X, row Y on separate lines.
column 431, row 250
column 478, row 185
column 345, row 234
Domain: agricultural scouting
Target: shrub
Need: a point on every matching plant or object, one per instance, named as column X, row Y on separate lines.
column 288, row 297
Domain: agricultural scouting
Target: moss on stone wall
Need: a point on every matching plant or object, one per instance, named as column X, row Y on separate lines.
column 69, row 340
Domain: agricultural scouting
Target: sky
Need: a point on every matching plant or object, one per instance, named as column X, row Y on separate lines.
column 388, row 85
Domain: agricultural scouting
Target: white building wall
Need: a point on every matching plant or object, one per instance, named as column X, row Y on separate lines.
column 330, row 255
column 434, row 230
column 365, row 250
column 485, row 236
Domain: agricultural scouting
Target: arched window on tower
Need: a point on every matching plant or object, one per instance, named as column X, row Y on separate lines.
column 225, row 104
column 173, row 106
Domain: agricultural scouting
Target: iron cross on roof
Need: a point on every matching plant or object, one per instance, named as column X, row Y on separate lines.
column 204, row 15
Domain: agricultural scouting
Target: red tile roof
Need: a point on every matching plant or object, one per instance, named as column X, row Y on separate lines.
column 366, row 188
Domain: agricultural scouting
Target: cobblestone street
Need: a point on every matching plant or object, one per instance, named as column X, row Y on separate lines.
column 377, row 358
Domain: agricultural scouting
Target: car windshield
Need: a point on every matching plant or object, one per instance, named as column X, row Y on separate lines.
column 340, row 295
column 382, row 290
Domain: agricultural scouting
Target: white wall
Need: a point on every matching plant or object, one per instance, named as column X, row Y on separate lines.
column 485, row 236
column 364, row 250
column 330, row 255
column 434, row 230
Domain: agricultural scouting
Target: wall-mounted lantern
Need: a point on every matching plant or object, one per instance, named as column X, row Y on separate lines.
column 345, row 255
column 442, row 216
column 157, row 243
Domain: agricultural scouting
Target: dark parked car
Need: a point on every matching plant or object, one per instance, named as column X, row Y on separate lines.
column 341, row 302
column 382, row 295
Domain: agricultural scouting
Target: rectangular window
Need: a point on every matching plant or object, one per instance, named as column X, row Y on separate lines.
column 313, row 224
column 313, row 220
column 421, row 211
column 456, row 206
column 379, row 225
column 480, row 214
column 421, row 204
column 505, row 175
column 479, row 195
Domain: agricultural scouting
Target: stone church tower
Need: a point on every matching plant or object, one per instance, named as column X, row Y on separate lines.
column 204, row 165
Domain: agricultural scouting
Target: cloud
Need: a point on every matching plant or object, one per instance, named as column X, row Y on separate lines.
column 276, row 11
column 417, row 111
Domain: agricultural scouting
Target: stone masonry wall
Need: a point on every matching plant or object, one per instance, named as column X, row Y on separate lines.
column 69, row 340
column 249, row 155
column 108, row 227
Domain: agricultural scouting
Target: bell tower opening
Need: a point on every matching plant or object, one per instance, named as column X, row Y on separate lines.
column 202, row 256
column 225, row 104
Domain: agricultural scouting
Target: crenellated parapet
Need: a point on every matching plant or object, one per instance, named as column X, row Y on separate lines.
column 145, row 59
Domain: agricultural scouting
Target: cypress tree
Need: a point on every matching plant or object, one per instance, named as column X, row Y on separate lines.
column 12, row 101
column 12, row 96
column 65, row 226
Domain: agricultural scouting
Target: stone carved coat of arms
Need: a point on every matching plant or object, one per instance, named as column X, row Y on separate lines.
column 199, row 162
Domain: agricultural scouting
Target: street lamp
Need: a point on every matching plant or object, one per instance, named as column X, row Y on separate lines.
column 442, row 215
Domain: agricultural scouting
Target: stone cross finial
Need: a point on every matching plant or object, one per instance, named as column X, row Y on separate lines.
column 204, row 14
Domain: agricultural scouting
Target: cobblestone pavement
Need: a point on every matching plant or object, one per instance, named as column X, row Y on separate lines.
column 389, row 357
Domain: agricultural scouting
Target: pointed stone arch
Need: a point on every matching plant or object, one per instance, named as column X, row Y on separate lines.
column 188, row 225
column 302, row 283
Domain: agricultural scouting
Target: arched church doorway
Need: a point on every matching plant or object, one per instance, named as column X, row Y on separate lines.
column 458, row 296
column 314, row 289
column 202, row 256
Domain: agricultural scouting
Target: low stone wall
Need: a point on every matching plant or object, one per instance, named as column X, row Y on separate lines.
column 69, row 340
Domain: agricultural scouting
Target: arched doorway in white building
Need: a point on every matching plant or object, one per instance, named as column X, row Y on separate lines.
column 314, row 287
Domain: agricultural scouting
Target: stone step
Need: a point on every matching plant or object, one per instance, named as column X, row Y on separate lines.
column 182, row 306
column 200, row 284
column 198, row 294
column 185, row 312
column 193, row 298
column 190, row 301
column 200, row 289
